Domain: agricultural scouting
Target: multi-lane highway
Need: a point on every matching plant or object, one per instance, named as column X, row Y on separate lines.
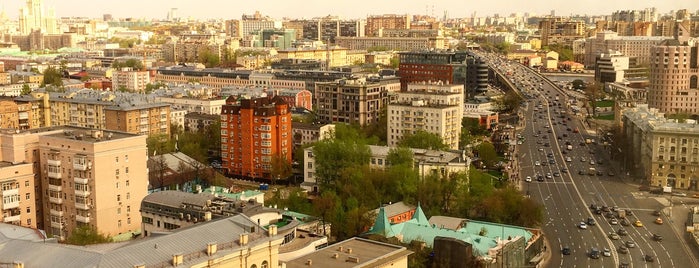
column 569, row 180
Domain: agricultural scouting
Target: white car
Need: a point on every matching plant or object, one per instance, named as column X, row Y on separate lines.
column 568, row 159
column 537, row 163
column 582, row 225
column 528, row 179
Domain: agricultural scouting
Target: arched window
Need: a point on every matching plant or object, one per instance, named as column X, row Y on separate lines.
column 693, row 83
column 253, row 266
column 264, row 264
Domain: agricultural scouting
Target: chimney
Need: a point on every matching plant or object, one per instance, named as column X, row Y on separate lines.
column 349, row 250
column 177, row 259
column 211, row 248
column 336, row 255
column 243, row 239
column 340, row 248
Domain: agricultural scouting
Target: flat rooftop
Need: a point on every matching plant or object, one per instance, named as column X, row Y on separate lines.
column 368, row 253
column 74, row 133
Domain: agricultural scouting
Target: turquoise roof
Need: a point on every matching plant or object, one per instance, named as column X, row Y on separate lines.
column 236, row 196
column 382, row 226
column 418, row 228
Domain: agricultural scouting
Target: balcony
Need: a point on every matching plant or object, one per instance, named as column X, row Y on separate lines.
column 15, row 218
column 56, row 213
column 56, row 200
column 55, row 175
column 10, row 205
column 10, row 192
column 82, row 206
column 80, row 180
column 82, row 193
column 53, row 162
column 80, row 164
column 55, row 188
column 82, row 219
column 57, row 225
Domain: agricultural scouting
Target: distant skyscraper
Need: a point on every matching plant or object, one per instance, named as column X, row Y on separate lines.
column 32, row 17
column 172, row 14
column 553, row 12
column 107, row 17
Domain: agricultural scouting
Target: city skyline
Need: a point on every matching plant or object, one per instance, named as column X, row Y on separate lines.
column 158, row 9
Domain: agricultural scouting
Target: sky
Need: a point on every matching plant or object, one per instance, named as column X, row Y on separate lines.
column 228, row 9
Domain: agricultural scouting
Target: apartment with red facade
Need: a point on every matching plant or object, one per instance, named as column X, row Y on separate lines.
column 255, row 135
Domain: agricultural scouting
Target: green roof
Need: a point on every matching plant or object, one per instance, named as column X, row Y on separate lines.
column 299, row 216
column 236, row 196
column 382, row 226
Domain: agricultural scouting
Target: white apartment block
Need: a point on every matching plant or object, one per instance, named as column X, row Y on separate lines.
column 191, row 105
column 631, row 46
column 432, row 107
column 133, row 81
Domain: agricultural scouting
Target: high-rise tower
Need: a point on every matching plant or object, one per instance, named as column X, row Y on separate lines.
column 33, row 18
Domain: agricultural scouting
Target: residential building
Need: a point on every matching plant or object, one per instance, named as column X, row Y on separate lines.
column 272, row 38
column 392, row 43
column 358, row 101
column 254, row 132
column 397, row 212
column 187, row 47
column 130, row 80
column 674, row 78
column 21, row 202
column 196, row 122
column 214, row 77
column 14, row 115
column 334, row 55
column 435, row 108
column 143, row 119
column 79, row 156
column 305, row 133
column 194, row 105
column 205, row 246
column 557, row 30
column 614, row 67
column 356, row 253
column 660, row 151
column 427, row 162
column 481, row 244
column 631, row 46
column 327, row 28
column 37, row 40
column 388, row 21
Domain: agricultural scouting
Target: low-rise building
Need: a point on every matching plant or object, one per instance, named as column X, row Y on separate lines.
column 196, row 122
column 305, row 133
column 354, row 253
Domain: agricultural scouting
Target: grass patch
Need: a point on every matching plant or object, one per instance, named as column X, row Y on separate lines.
column 604, row 103
column 605, row 117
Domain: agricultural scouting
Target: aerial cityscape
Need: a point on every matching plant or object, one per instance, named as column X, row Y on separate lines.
column 349, row 134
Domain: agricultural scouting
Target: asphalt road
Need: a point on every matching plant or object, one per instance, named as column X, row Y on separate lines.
column 568, row 196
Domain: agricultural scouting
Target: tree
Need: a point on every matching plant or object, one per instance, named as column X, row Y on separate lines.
column 86, row 235
column 52, row 77
column 578, row 84
column 208, row 57
column 487, row 154
column 400, row 156
column 509, row 102
column 423, row 140
column 281, row 168
column 134, row 64
column 26, row 89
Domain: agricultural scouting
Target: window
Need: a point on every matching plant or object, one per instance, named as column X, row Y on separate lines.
column 27, row 196
column 119, row 210
column 128, row 209
column 128, row 196
column 116, row 159
column 29, row 221
column 310, row 164
column 127, row 183
column 118, row 198
column 29, row 210
column 126, row 170
column 117, row 172
column 26, row 183
column 128, row 221
column 119, row 223
column 126, row 158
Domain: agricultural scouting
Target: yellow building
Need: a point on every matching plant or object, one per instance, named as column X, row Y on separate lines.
column 19, row 200
column 145, row 119
column 14, row 115
column 338, row 55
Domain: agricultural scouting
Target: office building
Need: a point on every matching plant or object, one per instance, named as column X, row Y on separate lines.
column 435, row 108
column 392, row 43
column 255, row 135
column 674, row 72
column 452, row 67
column 327, row 28
column 638, row 47
column 615, row 67
column 354, row 101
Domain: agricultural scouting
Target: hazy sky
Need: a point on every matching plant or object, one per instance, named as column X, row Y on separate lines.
column 342, row 8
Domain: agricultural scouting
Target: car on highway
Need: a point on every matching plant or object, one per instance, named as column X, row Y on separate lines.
column 528, row 179
column 624, row 222
column 594, row 253
column 613, row 221
column 623, row 249
column 638, row 223
column 606, row 252
column 565, row 250
column 582, row 225
column 622, row 232
column 679, row 194
column 658, row 221
column 649, row 258
column 657, row 237
column 613, row 236
column 656, row 213
column 630, row 244
column 537, row 163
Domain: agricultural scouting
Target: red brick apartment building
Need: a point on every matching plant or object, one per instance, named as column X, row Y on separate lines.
column 253, row 133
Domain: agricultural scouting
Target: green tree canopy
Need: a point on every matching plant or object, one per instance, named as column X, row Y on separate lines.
column 208, row 57
column 53, row 77
column 26, row 89
column 423, row 140
column 86, row 235
column 132, row 63
column 487, row 154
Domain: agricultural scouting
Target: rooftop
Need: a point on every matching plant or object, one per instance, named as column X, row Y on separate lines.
column 354, row 252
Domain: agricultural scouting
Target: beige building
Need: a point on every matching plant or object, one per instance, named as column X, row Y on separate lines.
column 334, row 56
column 69, row 161
column 435, row 108
column 305, row 133
column 144, row 119
column 356, row 253
column 632, row 46
column 661, row 151
column 14, row 115
column 19, row 199
column 674, row 78
column 193, row 105
column 357, row 101
column 393, row 43
column 130, row 80
column 557, row 30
